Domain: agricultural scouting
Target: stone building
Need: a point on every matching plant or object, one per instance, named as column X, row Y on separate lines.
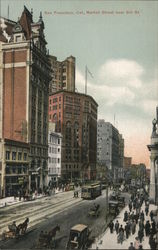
column 153, row 148
column 75, row 115
column 63, row 74
column 110, row 148
column 24, row 83
column 54, row 157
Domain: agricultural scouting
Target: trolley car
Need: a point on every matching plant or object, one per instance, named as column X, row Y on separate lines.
column 91, row 192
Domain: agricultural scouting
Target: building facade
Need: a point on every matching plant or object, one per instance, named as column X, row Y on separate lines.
column 153, row 148
column 75, row 116
column 127, row 162
column 24, row 82
column 54, row 157
column 110, row 148
column 63, row 74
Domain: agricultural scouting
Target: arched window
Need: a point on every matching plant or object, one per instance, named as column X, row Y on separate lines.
column 76, row 134
column 68, row 136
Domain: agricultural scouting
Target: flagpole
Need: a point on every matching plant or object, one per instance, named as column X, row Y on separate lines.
column 86, row 80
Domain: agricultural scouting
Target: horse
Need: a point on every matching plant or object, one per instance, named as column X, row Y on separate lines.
column 52, row 233
column 45, row 239
column 23, row 226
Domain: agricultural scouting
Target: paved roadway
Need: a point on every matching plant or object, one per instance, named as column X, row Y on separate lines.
column 44, row 214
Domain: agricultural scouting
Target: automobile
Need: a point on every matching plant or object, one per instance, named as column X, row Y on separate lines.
column 79, row 237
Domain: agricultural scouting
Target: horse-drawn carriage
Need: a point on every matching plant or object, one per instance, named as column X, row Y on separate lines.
column 15, row 231
column 47, row 239
column 94, row 211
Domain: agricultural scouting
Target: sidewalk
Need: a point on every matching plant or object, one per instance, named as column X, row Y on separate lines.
column 8, row 201
column 109, row 241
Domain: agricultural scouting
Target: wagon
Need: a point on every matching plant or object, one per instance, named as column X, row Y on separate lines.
column 79, row 237
column 15, row 231
column 94, row 211
column 121, row 201
column 113, row 207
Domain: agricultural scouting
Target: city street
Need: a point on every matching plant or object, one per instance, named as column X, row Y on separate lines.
column 46, row 213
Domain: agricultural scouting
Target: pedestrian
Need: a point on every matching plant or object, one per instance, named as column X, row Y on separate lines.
column 111, row 226
column 130, row 206
column 117, row 226
column 151, row 215
column 15, row 194
column 153, row 227
column 121, row 235
column 127, row 230
column 131, row 247
column 146, row 210
column 136, row 217
column 133, row 227
column 140, row 235
column 141, row 225
column 147, row 228
column 140, row 247
column 132, row 216
column 142, row 216
column 152, row 242
column 136, row 243
column 134, row 204
column 125, row 216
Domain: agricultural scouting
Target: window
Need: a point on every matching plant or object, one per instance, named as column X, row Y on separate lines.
column 13, row 156
column 58, row 150
column 7, row 155
column 55, row 107
column 58, row 141
column 58, row 160
column 55, row 100
column 19, row 156
column 18, row 38
column 25, row 156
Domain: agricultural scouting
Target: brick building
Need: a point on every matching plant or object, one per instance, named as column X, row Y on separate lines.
column 75, row 115
column 63, row 74
column 25, row 77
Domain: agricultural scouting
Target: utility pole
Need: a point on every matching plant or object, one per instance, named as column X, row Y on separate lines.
column 86, row 80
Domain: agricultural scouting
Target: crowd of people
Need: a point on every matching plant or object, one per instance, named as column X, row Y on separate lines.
column 136, row 222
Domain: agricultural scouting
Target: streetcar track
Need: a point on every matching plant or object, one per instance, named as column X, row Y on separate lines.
column 43, row 213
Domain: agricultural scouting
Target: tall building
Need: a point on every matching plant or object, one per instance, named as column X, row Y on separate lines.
column 63, row 74
column 153, row 148
column 25, row 77
column 110, row 147
column 75, row 115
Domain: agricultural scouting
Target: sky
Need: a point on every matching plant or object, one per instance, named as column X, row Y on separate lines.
column 118, row 41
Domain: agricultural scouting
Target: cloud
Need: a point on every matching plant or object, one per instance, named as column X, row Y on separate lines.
column 125, row 88
column 110, row 94
column 148, row 105
column 121, row 72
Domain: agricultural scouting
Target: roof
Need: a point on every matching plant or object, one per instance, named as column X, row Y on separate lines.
column 79, row 227
column 73, row 93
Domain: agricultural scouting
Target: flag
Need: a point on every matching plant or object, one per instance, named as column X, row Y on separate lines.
column 89, row 72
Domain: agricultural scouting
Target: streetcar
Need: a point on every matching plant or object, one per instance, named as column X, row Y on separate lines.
column 91, row 192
